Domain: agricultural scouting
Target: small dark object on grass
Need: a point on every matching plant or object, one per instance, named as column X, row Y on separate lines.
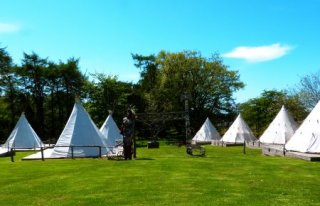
column 191, row 148
column 153, row 144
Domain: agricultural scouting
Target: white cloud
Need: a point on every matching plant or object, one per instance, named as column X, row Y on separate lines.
column 9, row 27
column 259, row 53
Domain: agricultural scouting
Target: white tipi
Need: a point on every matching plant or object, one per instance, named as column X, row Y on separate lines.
column 206, row 133
column 111, row 132
column 280, row 130
column 307, row 137
column 23, row 136
column 79, row 131
column 238, row 132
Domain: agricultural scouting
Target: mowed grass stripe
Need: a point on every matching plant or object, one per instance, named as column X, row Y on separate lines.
column 165, row 176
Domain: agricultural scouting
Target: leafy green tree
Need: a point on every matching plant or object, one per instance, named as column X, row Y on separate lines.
column 65, row 83
column 72, row 80
column 6, row 71
column 48, row 90
column 44, row 90
column 107, row 93
column 32, row 74
column 207, row 81
column 55, row 115
column 9, row 93
column 147, row 87
column 148, row 71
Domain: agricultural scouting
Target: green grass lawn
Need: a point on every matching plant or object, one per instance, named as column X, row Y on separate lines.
column 165, row 176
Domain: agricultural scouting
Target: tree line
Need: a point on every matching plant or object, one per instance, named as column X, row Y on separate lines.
column 46, row 91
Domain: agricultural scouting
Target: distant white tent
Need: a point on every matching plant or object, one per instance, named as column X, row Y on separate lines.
column 238, row 132
column 307, row 136
column 23, row 136
column 280, row 130
column 206, row 133
column 111, row 132
column 79, row 131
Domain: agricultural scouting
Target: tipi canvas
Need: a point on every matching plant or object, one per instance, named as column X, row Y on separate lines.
column 307, row 137
column 206, row 133
column 79, row 131
column 238, row 132
column 280, row 130
column 23, row 136
column 111, row 132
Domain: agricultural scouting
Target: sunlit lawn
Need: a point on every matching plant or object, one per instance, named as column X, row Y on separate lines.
column 165, row 176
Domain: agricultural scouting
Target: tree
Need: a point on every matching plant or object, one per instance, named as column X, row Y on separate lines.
column 54, row 102
column 207, row 81
column 49, row 90
column 9, row 91
column 43, row 89
column 72, row 80
column 148, row 71
column 259, row 112
column 147, row 86
column 309, row 90
column 65, row 83
column 107, row 93
column 32, row 73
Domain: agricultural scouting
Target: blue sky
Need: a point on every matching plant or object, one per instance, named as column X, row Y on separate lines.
column 271, row 43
